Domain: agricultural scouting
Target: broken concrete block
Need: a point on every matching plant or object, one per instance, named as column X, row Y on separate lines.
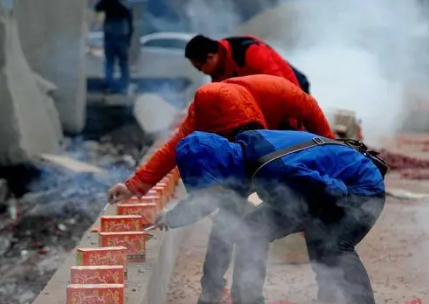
column 29, row 124
column 71, row 164
column 53, row 40
column 48, row 88
column 153, row 113
column 4, row 190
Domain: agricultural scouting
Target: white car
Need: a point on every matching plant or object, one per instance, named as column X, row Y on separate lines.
column 161, row 57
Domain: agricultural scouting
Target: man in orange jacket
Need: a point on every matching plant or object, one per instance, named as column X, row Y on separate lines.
column 240, row 56
column 227, row 108
column 266, row 102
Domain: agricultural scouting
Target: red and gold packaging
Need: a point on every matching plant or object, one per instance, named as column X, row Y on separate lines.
column 147, row 211
column 169, row 184
column 132, row 200
column 134, row 241
column 113, row 274
column 176, row 174
column 102, row 256
column 159, row 191
column 118, row 223
column 95, row 294
column 166, row 188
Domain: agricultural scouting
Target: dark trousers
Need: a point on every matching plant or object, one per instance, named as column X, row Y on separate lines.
column 219, row 253
column 116, row 49
column 332, row 230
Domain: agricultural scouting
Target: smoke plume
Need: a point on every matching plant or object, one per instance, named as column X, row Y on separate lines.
column 366, row 56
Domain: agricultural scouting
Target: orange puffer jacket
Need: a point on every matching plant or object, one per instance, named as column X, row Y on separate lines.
column 269, row 101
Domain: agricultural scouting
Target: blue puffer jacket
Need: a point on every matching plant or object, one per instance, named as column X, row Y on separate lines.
column 207, row 159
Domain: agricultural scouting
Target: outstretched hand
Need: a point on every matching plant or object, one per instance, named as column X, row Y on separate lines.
column 118, row 193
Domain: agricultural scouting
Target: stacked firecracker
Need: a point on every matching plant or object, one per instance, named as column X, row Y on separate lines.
column 100, row 273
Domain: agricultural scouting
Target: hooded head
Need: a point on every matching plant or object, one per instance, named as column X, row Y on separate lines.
column 206, row 160
column 222, row 108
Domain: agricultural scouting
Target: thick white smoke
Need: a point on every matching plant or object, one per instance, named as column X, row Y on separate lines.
column 212, row 18
column 368, row 56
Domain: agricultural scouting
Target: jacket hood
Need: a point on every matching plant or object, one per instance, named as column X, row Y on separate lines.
column 206, row 159
column 223, row 107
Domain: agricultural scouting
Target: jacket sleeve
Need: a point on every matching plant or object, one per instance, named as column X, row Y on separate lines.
column 163, row 161
column 198, row 205
column 259, row 61
column 189, row 211
column 303, row 107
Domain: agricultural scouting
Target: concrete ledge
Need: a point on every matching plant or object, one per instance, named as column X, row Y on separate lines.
column 147, row 282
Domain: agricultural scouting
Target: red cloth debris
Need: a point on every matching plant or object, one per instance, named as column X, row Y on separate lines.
column 415, row 174
column 226, row 297
column 397, row 161
column 414, row 301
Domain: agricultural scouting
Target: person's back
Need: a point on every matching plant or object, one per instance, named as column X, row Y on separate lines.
column 336, row 168
column 279, row 100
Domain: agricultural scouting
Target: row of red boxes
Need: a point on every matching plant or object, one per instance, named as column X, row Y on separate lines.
column 100, row 273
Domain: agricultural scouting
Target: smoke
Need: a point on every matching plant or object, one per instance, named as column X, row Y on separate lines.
column 367, row 56
column 212, row 18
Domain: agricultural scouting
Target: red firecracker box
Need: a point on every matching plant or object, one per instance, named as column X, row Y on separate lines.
column 134, row 241
column 176, row 173
column 95, row 294
column 166, row 188
column 132, row 200
column 118, row 223
column 102, row 256
column 148, row 211
column 159, row 191
column 113, row 274
column 168, row 180
column 171, row 181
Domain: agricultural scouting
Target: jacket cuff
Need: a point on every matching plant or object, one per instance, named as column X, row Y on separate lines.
column 135, row 186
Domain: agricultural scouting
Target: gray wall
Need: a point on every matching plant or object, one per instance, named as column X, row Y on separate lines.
column 53, row 39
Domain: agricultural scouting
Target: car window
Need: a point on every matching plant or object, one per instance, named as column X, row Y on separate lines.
column 171, row 43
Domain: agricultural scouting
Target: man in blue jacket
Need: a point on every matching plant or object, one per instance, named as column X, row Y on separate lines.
column 330, row 191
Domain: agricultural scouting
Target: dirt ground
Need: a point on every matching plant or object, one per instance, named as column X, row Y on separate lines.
column 395, row 254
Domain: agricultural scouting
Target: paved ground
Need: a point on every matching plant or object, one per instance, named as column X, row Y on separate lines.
column 395, row 254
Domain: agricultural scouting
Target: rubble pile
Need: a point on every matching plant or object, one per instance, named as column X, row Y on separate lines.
column 398, row 161
column 38, row 230
column 407, row 155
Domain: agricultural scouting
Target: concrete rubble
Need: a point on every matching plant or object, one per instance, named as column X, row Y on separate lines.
column 53, row 40
column 29, row 123
column 38, row 230
column 153, row 113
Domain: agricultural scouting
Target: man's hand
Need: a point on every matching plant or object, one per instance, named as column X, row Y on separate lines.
column 118, row 193
column 161, row 220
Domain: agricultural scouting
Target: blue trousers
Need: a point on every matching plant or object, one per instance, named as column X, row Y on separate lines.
column 116, row 50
